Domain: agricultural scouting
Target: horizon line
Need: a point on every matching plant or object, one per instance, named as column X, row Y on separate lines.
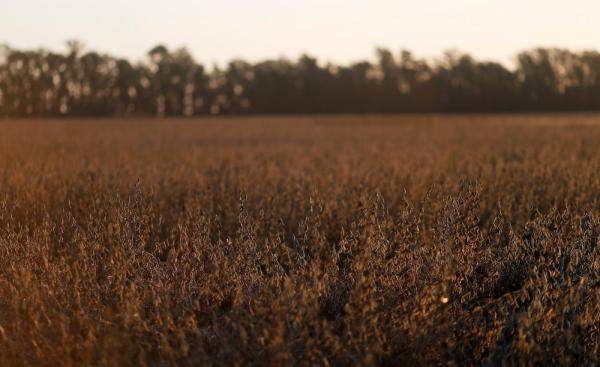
column 322, row 61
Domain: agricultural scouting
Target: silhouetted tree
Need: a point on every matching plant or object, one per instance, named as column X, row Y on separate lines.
column 171, row 83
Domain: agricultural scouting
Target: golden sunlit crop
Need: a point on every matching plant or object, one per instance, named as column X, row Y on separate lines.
column 415, row 240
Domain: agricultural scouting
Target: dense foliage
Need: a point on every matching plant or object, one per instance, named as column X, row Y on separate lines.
column 330, row 241
column 44, row 83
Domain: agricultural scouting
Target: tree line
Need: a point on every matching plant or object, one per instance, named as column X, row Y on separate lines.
column 42, row 83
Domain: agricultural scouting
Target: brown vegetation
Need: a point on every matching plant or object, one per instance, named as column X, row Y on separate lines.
column 300, row 241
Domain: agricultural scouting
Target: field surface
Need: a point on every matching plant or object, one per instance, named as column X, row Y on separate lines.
column 412, row 240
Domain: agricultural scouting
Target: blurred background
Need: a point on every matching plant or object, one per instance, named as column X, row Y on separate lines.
column 186, row 58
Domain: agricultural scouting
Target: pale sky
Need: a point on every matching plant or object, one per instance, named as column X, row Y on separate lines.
column 339, row 31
